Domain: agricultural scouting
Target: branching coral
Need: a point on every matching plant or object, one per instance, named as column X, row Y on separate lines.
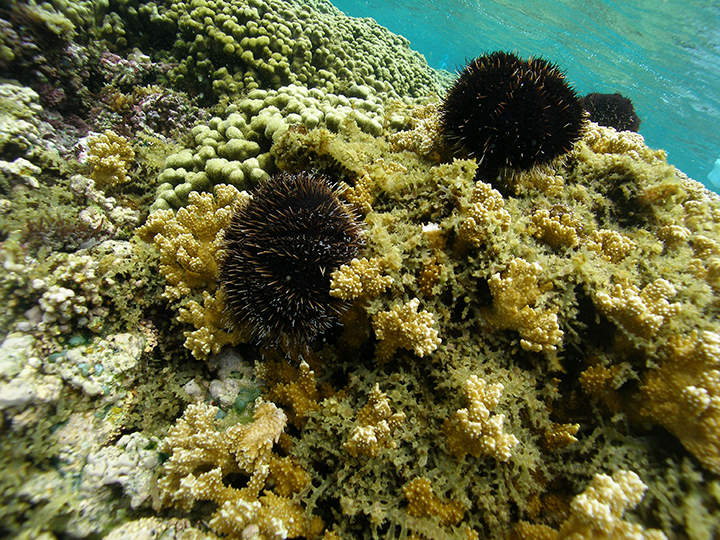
column 424, row 138
column 403, row 327
column 110, row 156
column 611, row 245
column 422, row 502
column 597, row 512
column 361, row 277
column 474, row 430
column 210, row 335
column 514, row 292
column 376, row 425
column 201, row 457
column 639, row 312
column 557, row 229
column 189, row 242
column 683, row 394
column 486, row 215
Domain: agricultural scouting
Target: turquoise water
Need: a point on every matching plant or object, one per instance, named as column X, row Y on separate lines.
column 663, row 55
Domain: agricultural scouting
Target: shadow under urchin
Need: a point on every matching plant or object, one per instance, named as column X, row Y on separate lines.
column 280, row 249
column 511, row 113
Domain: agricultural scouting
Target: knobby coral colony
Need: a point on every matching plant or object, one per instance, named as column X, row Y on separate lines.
column 509, row 112
column 280, row 250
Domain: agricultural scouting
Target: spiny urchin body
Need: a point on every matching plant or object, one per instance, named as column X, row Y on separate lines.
column 509, row 112
column 612, row 110
column 280, row 250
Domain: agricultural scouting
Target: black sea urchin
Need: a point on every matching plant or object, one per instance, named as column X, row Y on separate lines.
column 612, row 110
column 509, row 112
column 280, row 250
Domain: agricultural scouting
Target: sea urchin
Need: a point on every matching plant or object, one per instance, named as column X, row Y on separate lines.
column 280, row 250
column 509, row 112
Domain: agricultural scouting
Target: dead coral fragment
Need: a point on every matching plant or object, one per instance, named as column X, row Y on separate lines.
column 639, row 312
column 110, row 156
column 422, row 502
column 474, row 430
column 514, row 292
column 486, row 215
column 404, row 328
column 189, row 241
column 362, row 277
column 377, row 422
column 597, row 512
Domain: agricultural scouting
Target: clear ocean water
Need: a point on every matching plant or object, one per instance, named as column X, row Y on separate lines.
column 662, row 54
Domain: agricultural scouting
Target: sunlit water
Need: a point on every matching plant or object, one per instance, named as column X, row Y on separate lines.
column 663, row 55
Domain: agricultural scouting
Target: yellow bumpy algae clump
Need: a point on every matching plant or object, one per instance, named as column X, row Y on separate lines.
column 514, row 292
column 110, row 157
column 403, row 327
column 377, row 423
column 475, row 430
column 202, row 457
column 362, row 277
column 189, row 242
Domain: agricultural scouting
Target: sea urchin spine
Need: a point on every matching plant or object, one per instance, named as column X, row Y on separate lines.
column 509, row 112
column 280, row 250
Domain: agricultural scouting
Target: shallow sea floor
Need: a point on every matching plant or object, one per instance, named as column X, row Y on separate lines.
column 523, row 355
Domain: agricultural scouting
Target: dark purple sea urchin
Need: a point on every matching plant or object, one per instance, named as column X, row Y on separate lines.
column 509, row 112
column 280, row 250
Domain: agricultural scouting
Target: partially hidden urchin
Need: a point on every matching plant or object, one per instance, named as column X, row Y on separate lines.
column 280, row 250
column 509, row 112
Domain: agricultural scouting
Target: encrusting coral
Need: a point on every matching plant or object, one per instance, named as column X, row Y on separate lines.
column 475, row 430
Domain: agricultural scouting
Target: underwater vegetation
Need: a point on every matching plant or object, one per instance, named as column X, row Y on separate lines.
column 273, row 277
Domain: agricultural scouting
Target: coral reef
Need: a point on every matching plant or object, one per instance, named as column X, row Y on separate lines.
column 512, row 343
